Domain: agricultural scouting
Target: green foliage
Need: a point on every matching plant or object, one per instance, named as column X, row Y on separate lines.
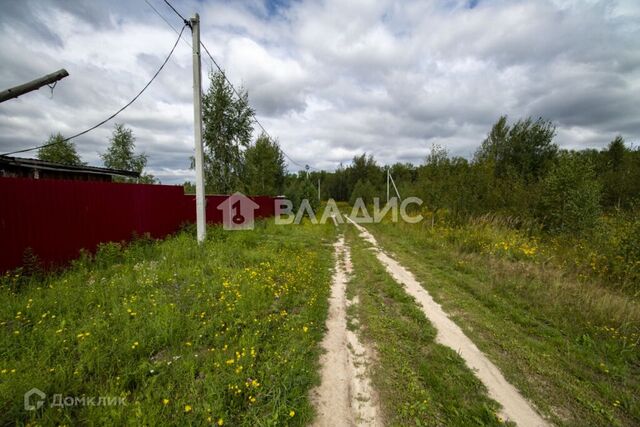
column 364, row 168
column 363, row 190
column 570, row 199
column 189, row 187
column 121, row 155
column 301, row 189
column 61, row 151
column 620, row 174
column 515, row 173
column 264, row 168
column 525, row 149
column 228, row 127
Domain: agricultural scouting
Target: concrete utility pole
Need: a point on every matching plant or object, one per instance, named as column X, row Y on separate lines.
column 15, row 92
column 201, row 218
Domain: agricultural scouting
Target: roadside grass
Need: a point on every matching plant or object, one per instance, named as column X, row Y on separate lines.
column 225, row 334
column 419, row 382
column 570, row 347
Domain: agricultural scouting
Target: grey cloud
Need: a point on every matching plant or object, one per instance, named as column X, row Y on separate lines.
column 330, row 79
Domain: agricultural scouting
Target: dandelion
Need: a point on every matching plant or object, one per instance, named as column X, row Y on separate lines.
column 220, row 422
column 305, row 329
column 187, row 408
column 292, row 413
column 188, row 344
column 165, row 402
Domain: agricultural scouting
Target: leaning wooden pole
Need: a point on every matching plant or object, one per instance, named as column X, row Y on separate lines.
column 36, row 84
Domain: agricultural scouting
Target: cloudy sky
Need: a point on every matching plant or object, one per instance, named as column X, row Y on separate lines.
column 330, row 79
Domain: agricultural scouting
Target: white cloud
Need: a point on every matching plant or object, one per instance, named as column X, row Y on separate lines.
column 330, row 79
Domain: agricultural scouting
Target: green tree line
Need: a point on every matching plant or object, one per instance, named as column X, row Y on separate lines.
column 518, row 171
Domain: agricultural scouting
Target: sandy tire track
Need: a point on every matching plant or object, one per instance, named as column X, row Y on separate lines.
column 345, row 396
column 514, row 406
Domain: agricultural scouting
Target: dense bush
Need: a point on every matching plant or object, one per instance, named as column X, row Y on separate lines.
column 570, row 197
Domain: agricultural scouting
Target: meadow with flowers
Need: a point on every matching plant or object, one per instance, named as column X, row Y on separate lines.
column 222, row 334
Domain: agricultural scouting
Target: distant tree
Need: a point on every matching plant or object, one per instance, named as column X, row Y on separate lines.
column 121, row 154
column 61, row 151
column 364, row 168
column 336, row 184
column 570, row 198
column 493, row 146
column 436, row 180
column 524, row 150
column 227, row 130
column 620, row 184
column 616, row 153
column 264, row 167
column 363, row 190
column 189, row 187
column 300, row 188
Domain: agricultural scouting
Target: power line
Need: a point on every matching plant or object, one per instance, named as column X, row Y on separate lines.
column 255, row 118
column 186, row 22
column 117, row 112
column 166, row 21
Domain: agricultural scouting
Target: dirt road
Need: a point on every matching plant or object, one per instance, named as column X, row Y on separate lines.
column 515, row 407
column 345, row 396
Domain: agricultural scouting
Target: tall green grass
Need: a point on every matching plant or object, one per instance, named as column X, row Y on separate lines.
column 568, row 343
column 224, row 333
column 608, row 254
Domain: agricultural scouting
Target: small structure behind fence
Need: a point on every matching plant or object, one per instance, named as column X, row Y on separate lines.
column 55, row 219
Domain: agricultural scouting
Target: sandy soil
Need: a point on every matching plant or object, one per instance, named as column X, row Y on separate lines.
column 345, row 396
column 514, row 406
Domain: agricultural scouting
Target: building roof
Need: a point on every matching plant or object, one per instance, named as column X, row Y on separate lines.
column 44, row 165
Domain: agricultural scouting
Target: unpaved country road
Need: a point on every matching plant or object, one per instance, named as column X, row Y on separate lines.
column 345, row 396
column 514, row 406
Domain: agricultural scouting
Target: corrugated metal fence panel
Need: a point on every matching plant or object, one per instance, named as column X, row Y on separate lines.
column 58, row 218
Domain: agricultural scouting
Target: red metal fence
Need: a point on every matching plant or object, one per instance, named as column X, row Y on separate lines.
column 58, row 218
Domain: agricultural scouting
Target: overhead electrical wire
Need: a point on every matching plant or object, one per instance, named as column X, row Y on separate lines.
column 114, row 114
column 255, row 118
column 166, row 21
